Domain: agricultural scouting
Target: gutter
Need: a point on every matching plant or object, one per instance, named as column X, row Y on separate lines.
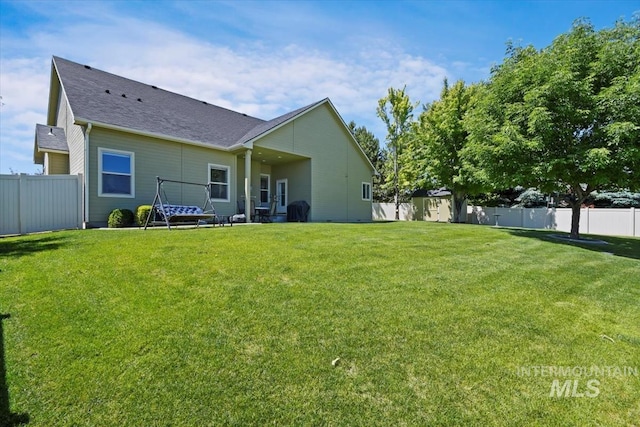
column 80, row 121
column 86, row 175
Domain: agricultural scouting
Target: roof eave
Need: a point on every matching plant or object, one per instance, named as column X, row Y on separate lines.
column 51, row 150
column 38, row 153
column 242, row 145
column 353, row 138
column 55, row 86
column 82, row 122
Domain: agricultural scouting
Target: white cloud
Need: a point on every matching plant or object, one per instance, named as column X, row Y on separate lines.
column 257, row 79
column 24, row 85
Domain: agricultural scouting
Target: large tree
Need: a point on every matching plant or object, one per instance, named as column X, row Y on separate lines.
column 396, row 111
column 435, row 152
column 565, row 118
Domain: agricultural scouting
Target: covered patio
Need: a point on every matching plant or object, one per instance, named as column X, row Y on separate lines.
column 269, row 180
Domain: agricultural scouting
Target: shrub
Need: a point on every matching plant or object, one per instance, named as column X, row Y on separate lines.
column 615, row 199
column 141, row 214
column 119, row 218
column 531, row 198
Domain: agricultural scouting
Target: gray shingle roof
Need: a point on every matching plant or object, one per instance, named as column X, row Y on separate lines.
column 440, row 192
column 51, row 138
column 103, row 97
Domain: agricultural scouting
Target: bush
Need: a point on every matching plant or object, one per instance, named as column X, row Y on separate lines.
column 531, row 198
column 142, row 212
column 119, row 218
column 615, row 199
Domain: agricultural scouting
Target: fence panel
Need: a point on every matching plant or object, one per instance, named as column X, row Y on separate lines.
column 40, row 203
column 9, row 204
column 538, row 218
column 611, row 222
column 387, row 212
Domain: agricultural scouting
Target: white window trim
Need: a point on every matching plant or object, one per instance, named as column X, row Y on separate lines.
column 368, row 184
column 132, row 159
column 268, row 187
column 228, row 169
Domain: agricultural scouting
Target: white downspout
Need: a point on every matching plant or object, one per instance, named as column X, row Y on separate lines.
column 86, row 174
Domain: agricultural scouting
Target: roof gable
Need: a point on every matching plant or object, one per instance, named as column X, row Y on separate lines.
column 51, row 139
column 270, row 126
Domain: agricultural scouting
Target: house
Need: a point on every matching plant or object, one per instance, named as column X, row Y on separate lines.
column 119, row 134
column 433, row 205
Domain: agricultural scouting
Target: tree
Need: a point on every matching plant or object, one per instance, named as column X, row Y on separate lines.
column 565, row 118
column 370, row 144
column 396, row 111
column 435, row 153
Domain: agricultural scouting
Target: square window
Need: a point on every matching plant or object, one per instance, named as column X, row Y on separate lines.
column 219, row 182
column 116, row 173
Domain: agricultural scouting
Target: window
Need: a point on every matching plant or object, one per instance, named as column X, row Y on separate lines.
column 219, row 182
column 115, row 173
column 366, row 191
column 265, row 185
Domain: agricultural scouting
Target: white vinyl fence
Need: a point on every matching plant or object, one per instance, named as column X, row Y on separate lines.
column 611, row 222
column 387, row 212
column 608, row 222
column 31, row 203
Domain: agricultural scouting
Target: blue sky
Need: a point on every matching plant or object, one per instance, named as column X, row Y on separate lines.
column 266, row 58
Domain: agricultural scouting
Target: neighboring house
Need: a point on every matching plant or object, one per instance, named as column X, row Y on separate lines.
column 120, row 134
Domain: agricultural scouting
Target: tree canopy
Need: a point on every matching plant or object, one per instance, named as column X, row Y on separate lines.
column 396, row 111
column 565, row 118
column 435, row 152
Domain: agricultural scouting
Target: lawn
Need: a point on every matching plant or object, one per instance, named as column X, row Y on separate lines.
column 433, row 324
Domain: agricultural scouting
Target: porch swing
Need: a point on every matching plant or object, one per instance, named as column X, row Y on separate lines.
column 162, row 212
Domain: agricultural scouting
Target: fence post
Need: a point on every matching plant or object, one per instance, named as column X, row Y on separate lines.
column 633, row 221
column 80, row 211
column 22, row 201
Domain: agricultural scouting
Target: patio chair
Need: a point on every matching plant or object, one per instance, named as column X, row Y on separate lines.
column 266, row 211
column 241, row 210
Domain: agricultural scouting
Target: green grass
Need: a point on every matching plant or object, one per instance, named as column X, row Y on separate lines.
column 432, row 323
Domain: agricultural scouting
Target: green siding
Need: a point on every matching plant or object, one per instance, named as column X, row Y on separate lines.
column 56, row 164
column 333, row 178
column 298, row 176
column 74, row 133
column 156, row 157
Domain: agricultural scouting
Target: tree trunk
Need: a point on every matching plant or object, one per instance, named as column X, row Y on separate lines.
column 575, row 219
column 397, row 204
column 578, row 196
column 395, row 183
column 458, row 202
